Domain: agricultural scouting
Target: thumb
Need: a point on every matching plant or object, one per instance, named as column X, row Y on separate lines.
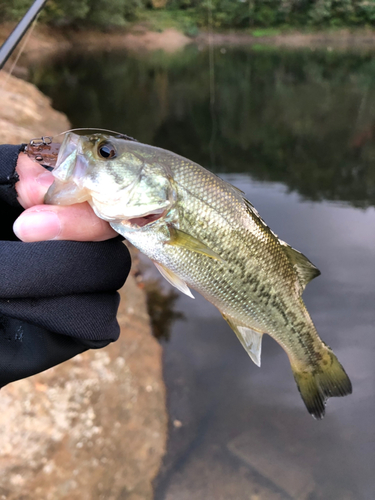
column 50, row 222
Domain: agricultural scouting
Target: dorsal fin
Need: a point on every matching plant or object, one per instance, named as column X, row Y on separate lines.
column 251, row 210
column 238, row 190
column 306, row 271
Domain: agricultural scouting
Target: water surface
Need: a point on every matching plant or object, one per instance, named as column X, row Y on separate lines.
column 305, row 119
column 295, row 131
column 237, row 419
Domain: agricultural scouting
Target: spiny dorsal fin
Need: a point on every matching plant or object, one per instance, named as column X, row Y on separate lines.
column 254, row 212
column 174, row 280
column 250, row 339
column 238, row 190
column 185, row 240
column 306, row 271
column 250, row 207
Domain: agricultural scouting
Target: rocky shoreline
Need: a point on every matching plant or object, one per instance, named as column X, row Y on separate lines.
column 94, row 427
column 25, row 113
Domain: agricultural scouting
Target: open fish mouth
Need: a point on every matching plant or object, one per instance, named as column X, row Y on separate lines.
column 146, row 219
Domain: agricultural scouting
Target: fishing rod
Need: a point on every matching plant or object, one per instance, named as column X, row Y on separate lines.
column 13, row 39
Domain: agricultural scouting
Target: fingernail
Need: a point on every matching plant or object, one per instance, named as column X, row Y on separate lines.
column 37, row 226
column 45, row 179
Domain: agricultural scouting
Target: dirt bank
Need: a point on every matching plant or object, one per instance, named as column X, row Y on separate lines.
column 45, row 41
column 338, row 40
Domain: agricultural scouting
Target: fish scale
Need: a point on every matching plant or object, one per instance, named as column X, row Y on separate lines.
column 234, row 278
column 202, row 233
column 226, row 200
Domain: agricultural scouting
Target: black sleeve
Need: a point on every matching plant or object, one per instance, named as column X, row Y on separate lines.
column 57, row 298
column 8, row 175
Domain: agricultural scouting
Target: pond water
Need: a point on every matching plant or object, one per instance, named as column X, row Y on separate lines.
column 296, row 132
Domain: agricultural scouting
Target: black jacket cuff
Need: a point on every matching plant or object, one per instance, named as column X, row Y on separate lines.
column 27, row 349
column 8, row 175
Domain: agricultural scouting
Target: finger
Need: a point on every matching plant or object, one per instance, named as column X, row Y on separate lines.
column 34, row 180
column 51, row 222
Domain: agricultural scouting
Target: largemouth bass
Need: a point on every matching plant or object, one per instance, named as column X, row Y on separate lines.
column 202, row 233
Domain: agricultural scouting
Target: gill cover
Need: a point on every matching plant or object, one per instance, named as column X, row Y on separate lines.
column 121, row 179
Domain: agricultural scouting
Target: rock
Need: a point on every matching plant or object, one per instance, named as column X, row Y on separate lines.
column 93, row 427
column 25, row 113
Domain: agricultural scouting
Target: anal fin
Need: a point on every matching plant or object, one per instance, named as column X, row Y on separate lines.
column 174, row 280
column 250, row 340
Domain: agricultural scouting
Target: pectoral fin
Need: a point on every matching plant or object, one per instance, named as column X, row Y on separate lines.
column 250, row 339
column 173, row 279
column 185, row 240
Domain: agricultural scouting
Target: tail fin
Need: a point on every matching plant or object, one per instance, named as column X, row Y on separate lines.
column 324, row 380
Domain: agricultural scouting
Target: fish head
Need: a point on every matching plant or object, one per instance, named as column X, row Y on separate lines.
column 123, row 180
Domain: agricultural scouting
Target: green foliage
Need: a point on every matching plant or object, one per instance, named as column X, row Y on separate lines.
column 268, row 13
column 260, row 32
column 161, row 19
column 66, row 11
column 366, row 10
column 13, row 9
column 190, row 14
column 107, row 12
column 102, row 13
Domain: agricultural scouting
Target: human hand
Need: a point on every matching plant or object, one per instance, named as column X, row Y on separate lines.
column 51, row 222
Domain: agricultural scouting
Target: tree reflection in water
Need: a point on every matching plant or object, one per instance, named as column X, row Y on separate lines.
column 302, row 118
column 160, row 306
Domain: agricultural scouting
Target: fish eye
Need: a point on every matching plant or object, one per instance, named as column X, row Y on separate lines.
column 107, row 150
